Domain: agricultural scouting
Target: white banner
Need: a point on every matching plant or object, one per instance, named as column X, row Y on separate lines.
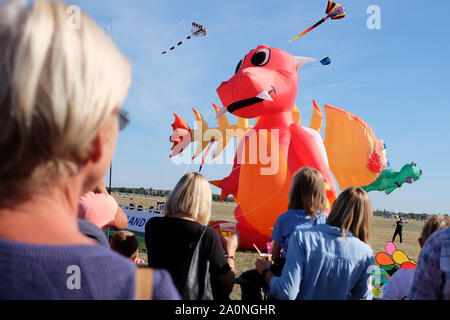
column 138, row 219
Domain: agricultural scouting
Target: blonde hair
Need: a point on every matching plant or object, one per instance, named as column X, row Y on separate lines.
column 308, row 191
column 352, row 211
column 58, row 87
column 191, row 198
column 434, row 223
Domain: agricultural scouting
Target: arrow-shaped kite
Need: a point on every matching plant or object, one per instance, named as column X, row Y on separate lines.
column 334, row 11
column 197, row 31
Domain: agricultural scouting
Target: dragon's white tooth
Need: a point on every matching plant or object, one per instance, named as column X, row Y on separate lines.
column 264, row 96
column 221, row 112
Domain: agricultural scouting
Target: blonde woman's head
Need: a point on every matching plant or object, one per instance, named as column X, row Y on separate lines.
column 190, row 198
column 434, row 223
column 308, row 192
column 59, row 87
column 352, row 211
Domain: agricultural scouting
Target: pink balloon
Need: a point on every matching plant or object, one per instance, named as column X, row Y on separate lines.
column 390, row 247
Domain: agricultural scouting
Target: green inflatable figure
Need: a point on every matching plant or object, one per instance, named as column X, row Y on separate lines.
column 389, row 180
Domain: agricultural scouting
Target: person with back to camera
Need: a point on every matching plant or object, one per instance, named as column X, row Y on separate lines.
column 307, row 201
column 432, row 277
column 328, row 261
column 401, row 281
column 61, row 92
column 173, row 240
column 100, row 208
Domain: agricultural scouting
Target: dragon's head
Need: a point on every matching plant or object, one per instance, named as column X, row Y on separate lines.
column 265, row 82
column 411, row 171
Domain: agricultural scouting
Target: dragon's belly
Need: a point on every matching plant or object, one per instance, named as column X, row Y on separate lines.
column 264, row 183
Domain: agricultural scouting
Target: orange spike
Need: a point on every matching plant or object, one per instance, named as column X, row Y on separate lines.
column 179, row 123
column 216, row 183
column 316, row 118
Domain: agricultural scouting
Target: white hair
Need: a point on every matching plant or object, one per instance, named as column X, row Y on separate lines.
column 58, row 86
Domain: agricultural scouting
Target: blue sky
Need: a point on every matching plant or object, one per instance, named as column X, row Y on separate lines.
column 395, row 78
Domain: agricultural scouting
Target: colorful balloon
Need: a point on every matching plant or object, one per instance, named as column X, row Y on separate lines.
column 400, row 257
column 390, row 247
column 383, row 259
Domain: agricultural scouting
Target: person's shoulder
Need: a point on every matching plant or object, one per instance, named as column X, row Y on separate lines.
column 94, row 200
column 283, row 216
column 98, row 254
column 163, row 286
column 437, row 240
column 86, row 196
column 155, row 222
column 321, row 218
column 438, row 236
column 306, row 234
column 92, row 231
column 366, row 249
column 212, row 233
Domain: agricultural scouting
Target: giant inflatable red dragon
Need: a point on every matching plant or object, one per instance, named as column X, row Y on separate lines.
column 264, row 88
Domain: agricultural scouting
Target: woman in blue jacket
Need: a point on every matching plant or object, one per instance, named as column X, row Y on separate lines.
column 329, row 261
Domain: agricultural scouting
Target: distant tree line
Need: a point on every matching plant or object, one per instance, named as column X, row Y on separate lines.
column 410, row 215
column 216, row 197
column 158, row 193
column 142, row 191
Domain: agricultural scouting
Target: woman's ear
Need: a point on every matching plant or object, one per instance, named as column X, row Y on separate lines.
column 135, row 256
column 97, row 147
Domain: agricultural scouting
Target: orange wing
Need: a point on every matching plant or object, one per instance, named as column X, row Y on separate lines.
column 356, row 157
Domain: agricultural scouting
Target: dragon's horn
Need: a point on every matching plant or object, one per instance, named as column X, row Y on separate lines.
column 199, row 133
column 224, row 124
column 296, row 115
column 316, row 118
column 300, row 61
column 216, row 183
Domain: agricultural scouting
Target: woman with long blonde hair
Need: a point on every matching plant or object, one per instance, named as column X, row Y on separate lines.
column 307, row 202
column 329, row 261
column 172, row 241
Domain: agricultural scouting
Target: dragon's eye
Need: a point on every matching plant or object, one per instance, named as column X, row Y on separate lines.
column 261, row 57
column 239, row 65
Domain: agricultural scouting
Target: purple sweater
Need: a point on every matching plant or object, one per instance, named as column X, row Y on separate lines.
column 82, row 272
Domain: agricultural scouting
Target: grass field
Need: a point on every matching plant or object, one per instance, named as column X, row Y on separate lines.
column 382, row 232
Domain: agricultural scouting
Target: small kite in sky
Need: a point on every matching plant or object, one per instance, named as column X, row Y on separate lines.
column 197, row 31
column 334, row 11
column 325, row 61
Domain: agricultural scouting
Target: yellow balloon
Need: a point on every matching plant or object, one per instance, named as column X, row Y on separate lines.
column 400, row 257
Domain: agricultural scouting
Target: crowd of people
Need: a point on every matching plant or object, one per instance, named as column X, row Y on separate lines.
column 60, row 114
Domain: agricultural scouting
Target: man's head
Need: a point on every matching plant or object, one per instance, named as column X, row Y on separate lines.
column 126, row 243
column 434, row 223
